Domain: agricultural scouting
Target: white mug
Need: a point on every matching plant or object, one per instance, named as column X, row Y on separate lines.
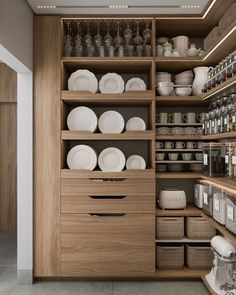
column 180, row 145
column 191, row 145
column 189, row 118
column 173, row 156
column 169, row 145
column 159, row 145
column 176, row 118
column 201, row 117
column 186, row 156
column 162, row 118
column 199, row 145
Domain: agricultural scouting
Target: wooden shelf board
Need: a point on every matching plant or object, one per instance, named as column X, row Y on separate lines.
column 220, row 228
column 180, row 100
column 178, row 175
column 184, row 273
column 180, row 124
column 178, row 162
column 106, row 58
column 73, row 173
column 191, row 210
column 218, row 89
column 127, row 135
column 184, row 240
column 126, row 98
column 228, row 185
column 178, row 137
column 179, row 150
column 226, row 135
column 203, row 277
column 178, row 64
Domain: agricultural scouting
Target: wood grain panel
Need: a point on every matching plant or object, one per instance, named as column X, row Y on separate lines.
column 47, row 146
column 8, row 84
column 108, row 246
column 8, row 166
column 70, row 186
column 112, row 204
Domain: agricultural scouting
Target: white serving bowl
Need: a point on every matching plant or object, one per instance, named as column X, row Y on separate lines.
column 185, row 74
column 165, row 84
column 165, row 90
column 184, row 81
column 183, row 91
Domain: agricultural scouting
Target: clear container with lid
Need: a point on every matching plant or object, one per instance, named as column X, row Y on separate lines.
column 230, row 155
column 231, row 213
column 219, row 206
column 214, row 159
column 207, row 204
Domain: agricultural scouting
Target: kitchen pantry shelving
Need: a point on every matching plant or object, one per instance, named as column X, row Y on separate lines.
column 75, row 210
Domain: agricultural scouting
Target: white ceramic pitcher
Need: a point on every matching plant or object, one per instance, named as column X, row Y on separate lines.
column 181, row 44
column 201, row 76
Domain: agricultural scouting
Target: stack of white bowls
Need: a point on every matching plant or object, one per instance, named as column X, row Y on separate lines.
column 163, row 77
column 165, row 88
column 184, row 78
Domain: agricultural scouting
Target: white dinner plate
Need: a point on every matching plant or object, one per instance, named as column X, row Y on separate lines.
column 82, row 157
column 135, row 162
column 83, row 80
column 111, row 83
column 111, row 160
column 135, row 84
column 82, row 119
column 135, row 124
column 111, row 122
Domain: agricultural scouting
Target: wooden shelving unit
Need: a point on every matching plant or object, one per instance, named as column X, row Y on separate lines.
column 178, row 175
column 178, row 162
column 184, row 240
column 178, row 137
column 228, row 185
column 191, row 210
column 184, row 273
column 226, row 135
column 221, row 229
column 180, row 100
column 180, row 124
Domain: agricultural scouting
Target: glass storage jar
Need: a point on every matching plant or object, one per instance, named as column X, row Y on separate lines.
column 230, row 149
column 231, row 213
column 219, row 206
column 214, row 159
column 207, row 206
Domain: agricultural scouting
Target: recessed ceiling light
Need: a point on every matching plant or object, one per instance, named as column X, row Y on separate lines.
column 46, row 6
column 118, row 6
column 190, row 6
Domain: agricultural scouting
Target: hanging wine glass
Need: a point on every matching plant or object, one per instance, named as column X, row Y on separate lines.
column 128, row 35
column 68, row 40
column 118, row 41
column 78, row 37
column 88, row 38
column 98, row 37
column 138, row 40
column 147, row 35
column 108, row 40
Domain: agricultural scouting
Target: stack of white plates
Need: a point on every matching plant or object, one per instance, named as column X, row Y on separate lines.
column 82, row 157
column 135, row 124
column 135, row 84
column 111, row 160
column 82, row 119
column 111, row 83
column 83, row 80
column 111, row 122
column 135, row 162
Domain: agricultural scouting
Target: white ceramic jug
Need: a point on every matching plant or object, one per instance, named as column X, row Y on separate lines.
column 181, row 44
column 201, row 76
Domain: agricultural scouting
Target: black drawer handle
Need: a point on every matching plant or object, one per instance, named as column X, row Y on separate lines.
column 107, row 197
column 107, row 214
column 107, row 179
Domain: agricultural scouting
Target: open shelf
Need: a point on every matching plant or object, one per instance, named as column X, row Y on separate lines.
column 179, row 150
column 178, row 137
column 184, row 240
column 74, row 173
column 178, row 63
column 220, row 228
column 220, row 88
column 228, row 185
column 180, row 100
column 191, row 210
column 184, row 273
column 178, row 124
column 203, row 277
column 127, row 135
column 115, row 59
column 219, row 136
column 178, row 175
column 126, row 98
column 178, row 161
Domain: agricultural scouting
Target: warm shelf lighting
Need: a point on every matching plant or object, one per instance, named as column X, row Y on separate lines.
column 46, row 6
column 119, row 6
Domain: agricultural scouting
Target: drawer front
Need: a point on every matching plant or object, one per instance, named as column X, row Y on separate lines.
column 107, row 245
column 108, row 204
column 97, row 187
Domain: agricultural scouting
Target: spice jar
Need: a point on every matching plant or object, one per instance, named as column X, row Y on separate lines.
column 214, row 159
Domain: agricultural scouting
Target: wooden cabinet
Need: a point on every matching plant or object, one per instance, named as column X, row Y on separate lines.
column 107, row 245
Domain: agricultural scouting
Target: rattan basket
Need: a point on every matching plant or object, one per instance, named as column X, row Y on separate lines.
column 169, row 228
column 197, row 228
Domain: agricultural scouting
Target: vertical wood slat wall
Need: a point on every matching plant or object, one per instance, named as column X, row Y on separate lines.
column 8, row 98
column 47, row 76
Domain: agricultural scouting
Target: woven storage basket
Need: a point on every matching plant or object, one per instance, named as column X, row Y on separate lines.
column 169, row 228
column 197, row 228
column 170, row 257
column 199, row 257
column 211, row 38
column 228, row 19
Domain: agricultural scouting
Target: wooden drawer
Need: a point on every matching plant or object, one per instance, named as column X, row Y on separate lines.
column 107, row 245
column 108, row 204
column 98, row 187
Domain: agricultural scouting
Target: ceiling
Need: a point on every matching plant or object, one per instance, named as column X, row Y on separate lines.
column 121, row 7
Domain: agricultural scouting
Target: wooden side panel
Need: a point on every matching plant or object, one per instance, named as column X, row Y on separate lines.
column 8, row 84
column 7, row 166
column 47, row 146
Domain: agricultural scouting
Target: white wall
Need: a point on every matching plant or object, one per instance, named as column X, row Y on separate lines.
column 16, row 30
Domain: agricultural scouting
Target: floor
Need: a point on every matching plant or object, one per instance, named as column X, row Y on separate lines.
column 8, row 281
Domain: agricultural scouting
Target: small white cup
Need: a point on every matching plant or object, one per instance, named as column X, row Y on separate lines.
column 160, row 156
column 180, row 145
column 191, row 145
column 187, row 156
column 173, row 156
column 159, row 145
column 169, row 145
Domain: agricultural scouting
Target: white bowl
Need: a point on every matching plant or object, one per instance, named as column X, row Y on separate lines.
column 163, row 84
column 184, row 81
column 162, row 40
column 165, row 90
column 185, row 91
column 185, row 74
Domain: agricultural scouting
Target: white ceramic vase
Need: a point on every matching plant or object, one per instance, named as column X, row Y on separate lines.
column 201, row 76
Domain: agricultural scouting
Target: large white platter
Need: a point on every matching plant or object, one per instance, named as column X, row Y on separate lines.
column 111, row 122
column 135, row 124
column 83, row 80
column 135, row 162
column 111, row 160
column 82, row 157
column 111, row 83
column 82, row 119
